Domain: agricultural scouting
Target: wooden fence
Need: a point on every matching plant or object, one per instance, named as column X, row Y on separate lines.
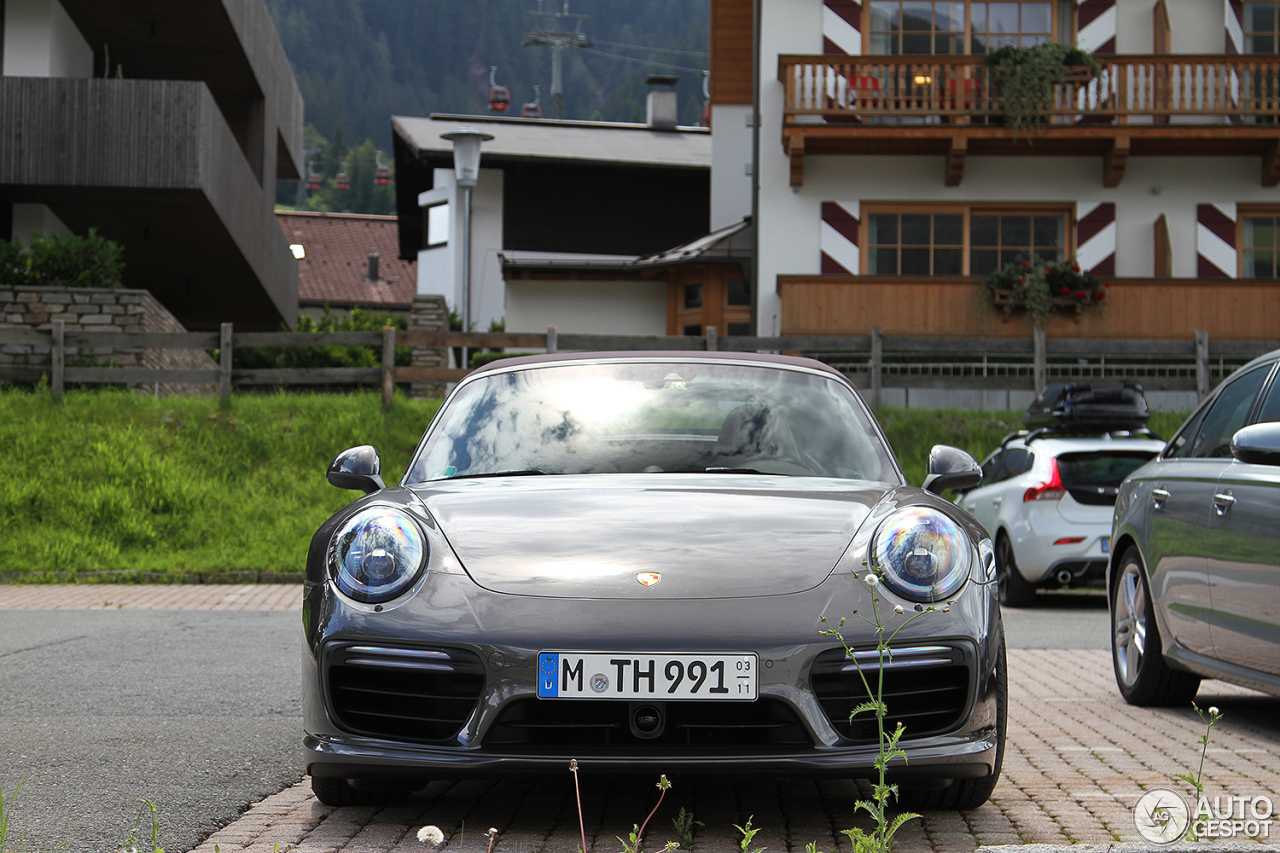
column 874, row 361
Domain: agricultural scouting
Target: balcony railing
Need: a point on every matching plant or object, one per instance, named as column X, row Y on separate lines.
column 957, row 89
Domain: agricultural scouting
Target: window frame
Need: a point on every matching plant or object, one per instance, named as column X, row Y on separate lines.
column 1244, row 211
column 1245, row 41
column 1062, row 27
column 426, row 225
column 967, row 210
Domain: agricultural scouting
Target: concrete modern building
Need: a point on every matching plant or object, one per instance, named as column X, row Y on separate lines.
column 560, row 212
column 164, row 126
column 889, row 180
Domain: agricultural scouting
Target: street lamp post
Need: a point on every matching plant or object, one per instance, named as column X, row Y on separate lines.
column 466, row 168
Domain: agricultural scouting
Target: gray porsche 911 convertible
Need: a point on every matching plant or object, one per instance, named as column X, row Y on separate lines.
column 625, row 559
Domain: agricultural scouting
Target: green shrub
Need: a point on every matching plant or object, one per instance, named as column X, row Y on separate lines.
column 63, row 260
column 359, row 320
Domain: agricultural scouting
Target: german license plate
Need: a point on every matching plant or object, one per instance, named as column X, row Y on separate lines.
column 1106, row 544
column 632, row 675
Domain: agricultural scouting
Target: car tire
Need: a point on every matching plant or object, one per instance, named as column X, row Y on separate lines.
column 339, row 792
column 965, row 794
column 1142, row 674
column 1013, row 589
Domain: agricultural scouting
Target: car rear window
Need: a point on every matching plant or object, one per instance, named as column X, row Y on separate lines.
column 1092, row 477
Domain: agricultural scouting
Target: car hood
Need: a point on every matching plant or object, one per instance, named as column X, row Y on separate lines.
column 716, row 536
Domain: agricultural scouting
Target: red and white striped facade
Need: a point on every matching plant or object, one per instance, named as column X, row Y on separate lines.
column 838, row 240
column 1096, row 237
column 1217, row 255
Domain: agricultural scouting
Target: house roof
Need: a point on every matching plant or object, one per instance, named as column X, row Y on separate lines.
column 334, row 267
column 731, row 243
column 548, row 139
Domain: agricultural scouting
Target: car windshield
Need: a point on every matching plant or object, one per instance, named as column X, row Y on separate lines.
column 651, row 417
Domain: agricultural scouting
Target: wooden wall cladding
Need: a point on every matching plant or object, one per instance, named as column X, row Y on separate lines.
column 732, row 45
column 1134, row 308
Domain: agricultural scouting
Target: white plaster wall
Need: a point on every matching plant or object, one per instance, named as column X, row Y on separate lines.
column 487, row 286
column 436, row 266
column 31, row 219
column 40, row 40
column 1152, row 186
column 588, row 307
column 1196, row 26
column 730, row 164
column 786, row 26
column 440, row 268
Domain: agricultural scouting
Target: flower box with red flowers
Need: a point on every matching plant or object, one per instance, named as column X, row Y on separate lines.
column 1042, row 287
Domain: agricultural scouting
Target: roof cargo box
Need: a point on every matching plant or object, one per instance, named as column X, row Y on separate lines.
column 1089, row 407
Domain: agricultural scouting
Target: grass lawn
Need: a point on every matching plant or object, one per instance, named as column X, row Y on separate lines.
column 111, row 485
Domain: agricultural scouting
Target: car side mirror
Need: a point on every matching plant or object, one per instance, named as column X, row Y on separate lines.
column 357, row 468
column 950, row 468
column 1258, row 444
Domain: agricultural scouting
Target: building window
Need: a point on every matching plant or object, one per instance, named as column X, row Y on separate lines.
column 950, row 27
column 916, row 243
column 998, row 239
column 435, row 222
column 1261, row 26
column 693, row 296
column 962, row 239
column 1258, row 233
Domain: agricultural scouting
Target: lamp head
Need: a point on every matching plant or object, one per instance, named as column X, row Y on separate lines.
column 466, row 153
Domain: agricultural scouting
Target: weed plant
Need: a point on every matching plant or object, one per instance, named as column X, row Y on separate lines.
column 110, row 484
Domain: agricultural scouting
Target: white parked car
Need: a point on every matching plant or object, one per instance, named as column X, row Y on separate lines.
column 1047, row 497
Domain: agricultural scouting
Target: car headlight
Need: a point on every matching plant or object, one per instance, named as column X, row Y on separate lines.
column 921, row 554
column 377, row 554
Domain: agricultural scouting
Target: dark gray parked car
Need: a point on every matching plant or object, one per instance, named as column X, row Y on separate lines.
column 1194, row 582
column 623, row 559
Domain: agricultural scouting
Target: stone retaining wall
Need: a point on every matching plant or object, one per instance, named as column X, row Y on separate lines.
column 429, row 314
column 99, row 310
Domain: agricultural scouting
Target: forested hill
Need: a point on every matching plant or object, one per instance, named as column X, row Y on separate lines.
column 360, row 61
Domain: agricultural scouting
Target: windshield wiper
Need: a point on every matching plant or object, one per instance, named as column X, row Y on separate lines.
column 742, row 471
column 522, row 472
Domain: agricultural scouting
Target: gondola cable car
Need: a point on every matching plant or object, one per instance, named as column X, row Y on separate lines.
column 499, row 96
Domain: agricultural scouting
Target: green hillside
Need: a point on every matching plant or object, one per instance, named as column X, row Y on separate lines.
column 360, row 61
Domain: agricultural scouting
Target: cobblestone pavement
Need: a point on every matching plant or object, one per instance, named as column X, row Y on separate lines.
column 1077, row 760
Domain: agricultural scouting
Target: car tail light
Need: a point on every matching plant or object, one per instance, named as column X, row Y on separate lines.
column 1069, row 540
column 1050, row 490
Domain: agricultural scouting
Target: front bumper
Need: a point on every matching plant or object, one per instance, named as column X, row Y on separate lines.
column 501, row 636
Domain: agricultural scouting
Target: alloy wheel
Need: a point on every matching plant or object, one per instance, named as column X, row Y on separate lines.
column 1129, row 623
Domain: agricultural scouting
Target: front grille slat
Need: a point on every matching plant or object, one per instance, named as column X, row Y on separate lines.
column 416, row 695
column 926, row 691
column 599, row 726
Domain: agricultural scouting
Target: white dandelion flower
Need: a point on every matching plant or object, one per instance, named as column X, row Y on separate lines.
column 871, row 580
column 431, row 836
column 897, row 608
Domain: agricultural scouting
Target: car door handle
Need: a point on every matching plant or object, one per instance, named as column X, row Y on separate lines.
column 1158, row 497
column 997, row 501
column 1222, row 502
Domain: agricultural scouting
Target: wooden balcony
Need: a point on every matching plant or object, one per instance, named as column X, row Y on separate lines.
column 1148, row 308
column 951, row 106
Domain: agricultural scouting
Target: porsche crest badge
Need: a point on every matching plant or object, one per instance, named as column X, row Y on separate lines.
column 648, row 578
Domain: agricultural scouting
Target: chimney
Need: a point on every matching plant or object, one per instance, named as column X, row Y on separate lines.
column 660, row 108
column 373, row 267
